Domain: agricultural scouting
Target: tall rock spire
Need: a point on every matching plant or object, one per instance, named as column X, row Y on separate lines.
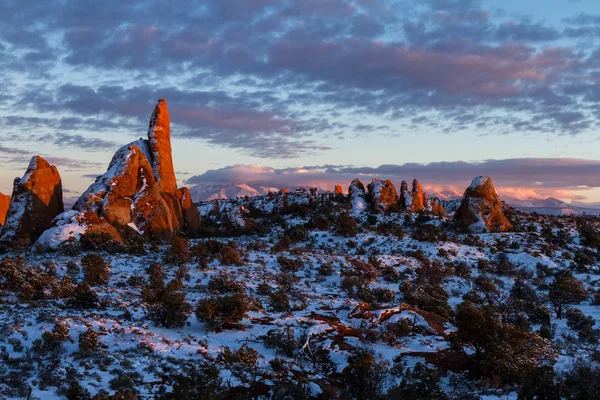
column 159, row 138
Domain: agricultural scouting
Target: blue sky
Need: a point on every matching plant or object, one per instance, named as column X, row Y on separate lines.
column 314, row 83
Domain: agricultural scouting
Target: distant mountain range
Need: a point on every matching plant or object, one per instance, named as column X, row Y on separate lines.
column 224, row 190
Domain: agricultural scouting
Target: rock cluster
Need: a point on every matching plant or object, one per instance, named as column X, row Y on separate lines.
column 480, row 209
column 36, row 199
column 138, row 192
column 4, row 203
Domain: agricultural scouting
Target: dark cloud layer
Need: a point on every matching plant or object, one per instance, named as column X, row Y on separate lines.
column 279, row 79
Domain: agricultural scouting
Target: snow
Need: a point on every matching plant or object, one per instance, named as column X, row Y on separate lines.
column 478, row 181
column 66, row 226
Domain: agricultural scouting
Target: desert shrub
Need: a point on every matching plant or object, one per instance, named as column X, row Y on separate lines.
column 94, row 241
column 429, row 233
column 582, row 381
column 225, row 283
column 297, row 234
column 245, row 355
column 83, row 297
column 361, row 271
column 219, row 311
column 325, row 269
column 229, row 255
column 565, row 290
column 178, row 253
column 543, row 383
column 195, row 382
column 501, row 350
column 390, row 229
column 318, row 222
column 166, row 302
column 463, row 270
column 73, row 270
column 346, row 226
column 390, row 274
column 88, row 341
column 582, row 324
column 95, row 270
column 589, row 234
column 54, row 339
column 432, row 298
column 376, row 296
column 279, row 300
column 284, row 341
column 364, row 378
column 282, row 245
column 77, row 392
column 420, row 383
column 292, row 265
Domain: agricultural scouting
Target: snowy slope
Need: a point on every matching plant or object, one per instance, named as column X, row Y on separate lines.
column 224, row 190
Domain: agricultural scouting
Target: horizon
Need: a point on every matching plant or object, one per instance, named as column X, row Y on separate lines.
column 320, row 91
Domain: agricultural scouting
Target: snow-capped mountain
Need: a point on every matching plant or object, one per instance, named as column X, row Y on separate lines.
column 551, row 206
column 225, row 190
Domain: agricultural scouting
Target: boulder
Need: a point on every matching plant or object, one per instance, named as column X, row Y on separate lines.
column 480, row 208
column 36, row 199
column 382, row 194
column 357, row 196
column 417, row 196
column 4, row 203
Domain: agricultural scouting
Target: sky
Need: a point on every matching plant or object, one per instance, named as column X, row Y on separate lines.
column 310, row 91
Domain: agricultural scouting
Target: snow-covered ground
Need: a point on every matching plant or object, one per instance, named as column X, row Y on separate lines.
column 327, row 313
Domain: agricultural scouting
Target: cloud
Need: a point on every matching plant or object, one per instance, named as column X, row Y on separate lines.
column 282, row 79
column 519, row 178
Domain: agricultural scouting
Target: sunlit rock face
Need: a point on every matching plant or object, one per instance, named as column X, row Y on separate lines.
column 36, row 199
column 417, row 197
column 382, row 194
column 138, row 192
column 480, row 209
column 4, row 203
column 435, row 206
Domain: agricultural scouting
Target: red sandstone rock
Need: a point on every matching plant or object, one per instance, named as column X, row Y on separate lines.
column 159, row 137
column 382, row 194
column 480, row 209
column 4, row 203
column 138, row 192
column 418, row 197
column 435, row 206
column 36, row 200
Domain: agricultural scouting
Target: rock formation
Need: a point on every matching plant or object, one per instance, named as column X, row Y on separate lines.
column 36, row 200
column 435, row 206
column 4, row 203
column 480, row 209
column 382, row 194
column 159, row 139
column 417, row 196
column 138, row 192
column 356, row 194
column 405, row 197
